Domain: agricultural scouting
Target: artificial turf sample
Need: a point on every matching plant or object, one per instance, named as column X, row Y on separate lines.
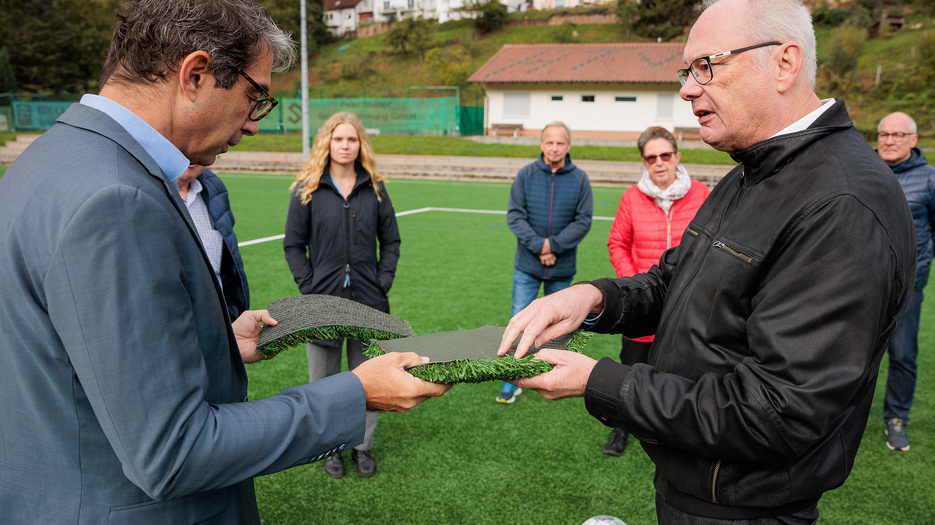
column 463, row 356
column 305, row 318
column 470, row 356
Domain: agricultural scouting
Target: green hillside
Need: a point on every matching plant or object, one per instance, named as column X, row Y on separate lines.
column 368, row 67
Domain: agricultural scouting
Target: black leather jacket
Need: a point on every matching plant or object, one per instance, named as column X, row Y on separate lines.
column 771, row 318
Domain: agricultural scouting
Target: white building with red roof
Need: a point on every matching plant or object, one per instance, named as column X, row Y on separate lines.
column 612, row 91
column 345, row 16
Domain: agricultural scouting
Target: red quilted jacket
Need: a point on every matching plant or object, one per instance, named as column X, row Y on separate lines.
column 641, row 230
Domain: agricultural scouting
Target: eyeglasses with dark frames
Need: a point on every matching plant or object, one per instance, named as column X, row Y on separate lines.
column 666, row 157
column 263, row 105
column 701, row 67
column 899, row 136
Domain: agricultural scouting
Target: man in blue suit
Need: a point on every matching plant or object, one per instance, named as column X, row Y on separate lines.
column 123, row 384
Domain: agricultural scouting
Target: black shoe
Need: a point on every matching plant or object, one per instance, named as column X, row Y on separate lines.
column 616, row 442
column 365, row 464
column 334, row 466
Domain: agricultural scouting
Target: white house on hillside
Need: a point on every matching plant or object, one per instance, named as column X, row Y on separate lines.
column 562, row 4
column 612, row 91
column 345, row 16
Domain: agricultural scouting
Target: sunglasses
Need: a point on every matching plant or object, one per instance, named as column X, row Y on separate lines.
column 666, row 157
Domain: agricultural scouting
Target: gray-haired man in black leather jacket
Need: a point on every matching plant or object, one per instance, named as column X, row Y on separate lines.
column 773, row 314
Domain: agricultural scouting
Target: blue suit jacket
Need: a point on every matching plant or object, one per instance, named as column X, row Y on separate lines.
column 122, row 387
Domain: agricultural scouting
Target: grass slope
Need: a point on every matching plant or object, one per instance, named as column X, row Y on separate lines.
column 463, row 458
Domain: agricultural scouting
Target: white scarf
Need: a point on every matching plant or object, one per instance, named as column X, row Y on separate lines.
column 675, row 191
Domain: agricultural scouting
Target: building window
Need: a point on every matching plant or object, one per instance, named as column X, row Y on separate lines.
column 558, row 98
column 587, row 98
column 386, row 6
column 410, row 3
column 624, row 98
column 516, row 105
column 665, row 106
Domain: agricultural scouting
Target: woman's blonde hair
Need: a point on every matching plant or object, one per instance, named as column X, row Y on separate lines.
column 308, row 179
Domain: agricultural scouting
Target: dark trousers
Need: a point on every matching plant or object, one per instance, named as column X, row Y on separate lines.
column 668, row 515
column 903, row 370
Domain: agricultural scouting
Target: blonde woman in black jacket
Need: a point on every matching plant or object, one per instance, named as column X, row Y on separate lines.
column 339, row 217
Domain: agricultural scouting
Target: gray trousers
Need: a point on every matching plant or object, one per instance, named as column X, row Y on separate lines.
column 324, row 361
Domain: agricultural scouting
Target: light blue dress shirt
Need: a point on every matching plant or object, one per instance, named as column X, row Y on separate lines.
column 172, row 161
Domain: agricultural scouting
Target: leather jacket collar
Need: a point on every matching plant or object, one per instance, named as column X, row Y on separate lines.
column 766, row 158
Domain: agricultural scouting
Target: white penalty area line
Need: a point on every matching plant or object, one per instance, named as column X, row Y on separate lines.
column 404, row 213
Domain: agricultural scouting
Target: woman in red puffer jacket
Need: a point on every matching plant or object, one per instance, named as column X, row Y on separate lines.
column 651, row 218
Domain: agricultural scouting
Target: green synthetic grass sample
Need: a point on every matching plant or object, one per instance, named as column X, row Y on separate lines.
column 305, row 318
column 470, row 356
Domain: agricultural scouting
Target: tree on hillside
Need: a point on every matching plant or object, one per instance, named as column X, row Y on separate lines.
column 664, row 19
column 8, row 82
column 490, row 15
column 57, row 46
column 844, row 48
column 626, row 11
column 451, row 64
column 410, row 34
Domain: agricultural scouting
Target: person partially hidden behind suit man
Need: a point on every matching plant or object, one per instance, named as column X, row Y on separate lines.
column 208, row 203
column 123, row 382
column 896, row 145
column 772, row 315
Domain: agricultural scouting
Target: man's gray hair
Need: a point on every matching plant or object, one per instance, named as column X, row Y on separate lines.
column 912, row 122
column 780, row 21
column 153, row 36
column 556, row 124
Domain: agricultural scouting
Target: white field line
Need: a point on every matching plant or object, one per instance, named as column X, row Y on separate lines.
column 403, row 213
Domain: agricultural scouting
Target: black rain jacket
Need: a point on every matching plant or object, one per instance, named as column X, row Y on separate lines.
column 330, row 238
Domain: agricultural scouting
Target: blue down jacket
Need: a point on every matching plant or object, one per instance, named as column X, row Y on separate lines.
column 233, row 277
column 918, row 181
column 557, row 206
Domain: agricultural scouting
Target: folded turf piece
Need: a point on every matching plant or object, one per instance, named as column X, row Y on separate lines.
column 308, row 317
column 470, row 356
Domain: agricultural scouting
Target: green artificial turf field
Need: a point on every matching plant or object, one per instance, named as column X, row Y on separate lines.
column 463, row 458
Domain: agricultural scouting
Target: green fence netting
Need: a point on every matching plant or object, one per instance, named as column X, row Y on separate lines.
column 383, row 116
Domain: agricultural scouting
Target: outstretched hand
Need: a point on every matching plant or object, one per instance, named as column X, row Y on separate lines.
column 551, row 316
column 387, row 385
column 569, row 378
column 247, row 330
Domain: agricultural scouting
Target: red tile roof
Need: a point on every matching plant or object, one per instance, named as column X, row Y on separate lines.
column 331, row 5
column 528, row 63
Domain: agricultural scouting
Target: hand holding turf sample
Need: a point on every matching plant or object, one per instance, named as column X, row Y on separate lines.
column 387, row 386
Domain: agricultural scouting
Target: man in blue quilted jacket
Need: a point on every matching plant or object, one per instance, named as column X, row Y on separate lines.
column 896, row 141
column 205, row 196
column 550, row 213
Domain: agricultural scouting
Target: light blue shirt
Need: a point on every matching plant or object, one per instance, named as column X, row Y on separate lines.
column 172, row 161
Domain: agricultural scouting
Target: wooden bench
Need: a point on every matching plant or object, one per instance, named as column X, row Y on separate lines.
column 687, row 134
column 505, row 129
